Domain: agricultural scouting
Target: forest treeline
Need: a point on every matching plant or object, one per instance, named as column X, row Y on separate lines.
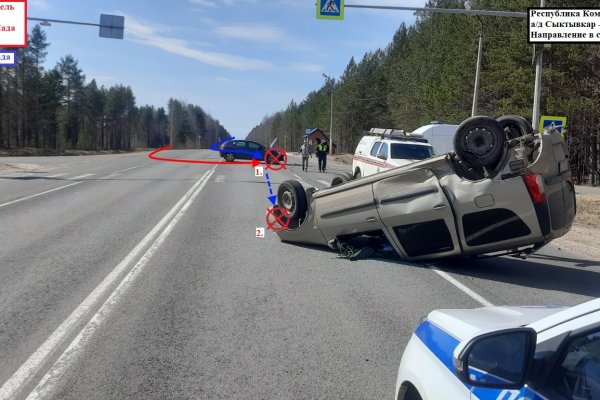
column 427, row 73
column 57, row 109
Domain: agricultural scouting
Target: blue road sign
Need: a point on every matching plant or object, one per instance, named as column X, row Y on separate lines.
column 548, row 121
column 8, row 58
column 330, row 9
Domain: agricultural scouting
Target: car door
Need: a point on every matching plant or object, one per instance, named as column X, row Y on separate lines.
column 239, row 148
column 253, row 148
column 382, row 157
column 416, row 213
column 370, row 167
column 346, row 211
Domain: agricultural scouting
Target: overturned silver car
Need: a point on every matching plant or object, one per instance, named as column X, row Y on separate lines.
column 503, row 190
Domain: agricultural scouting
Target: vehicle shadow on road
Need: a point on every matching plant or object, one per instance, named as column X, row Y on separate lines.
column 29, row 178
column 577, row 262
column 382, row 256
column 531, row 274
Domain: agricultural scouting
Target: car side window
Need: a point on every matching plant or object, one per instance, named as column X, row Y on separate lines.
column 239, row 144
column 405, row 151
column 383, row 151
column 578, row 377
column 254, row 146
column 375, row 149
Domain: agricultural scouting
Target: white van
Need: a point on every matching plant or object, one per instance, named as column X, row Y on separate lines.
column 381, row 149
column 439, row 134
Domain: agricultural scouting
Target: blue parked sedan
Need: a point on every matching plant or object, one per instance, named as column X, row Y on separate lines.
column 243, row 150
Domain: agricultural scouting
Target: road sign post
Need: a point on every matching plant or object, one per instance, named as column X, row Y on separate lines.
column 111, row 26
column 330, row 9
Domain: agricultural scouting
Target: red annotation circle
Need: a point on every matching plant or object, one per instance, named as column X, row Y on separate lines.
column 278, row 218
column 275, row 158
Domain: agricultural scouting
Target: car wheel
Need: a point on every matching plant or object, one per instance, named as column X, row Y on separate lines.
column 341, row 178
column 272, row 160
column 514, row 126
column 479, row 141
column 292, row 197
column 357, row 174
column 348, row 175
column 338, row 180
column 408, row 392
column 229, row 157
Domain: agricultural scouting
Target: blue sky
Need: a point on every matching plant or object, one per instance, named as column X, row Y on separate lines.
column 238, row 59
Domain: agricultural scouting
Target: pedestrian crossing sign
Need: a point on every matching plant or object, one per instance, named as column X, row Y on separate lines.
column 330, row 9
column 552, row 122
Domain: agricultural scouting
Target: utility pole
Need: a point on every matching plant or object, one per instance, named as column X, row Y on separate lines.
column 332, row 80
column 478, row 70
column 537, row 91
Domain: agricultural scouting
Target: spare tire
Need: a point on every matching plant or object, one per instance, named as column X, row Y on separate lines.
column 514, row 126
column 341, row 178
column 348, row 175
column 479, row 142
column 338, row 180
column 292, row 197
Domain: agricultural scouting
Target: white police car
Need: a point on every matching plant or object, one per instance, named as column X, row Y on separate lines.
column 504, row 353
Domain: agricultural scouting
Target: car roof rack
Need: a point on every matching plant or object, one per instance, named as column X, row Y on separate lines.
column 397, row 134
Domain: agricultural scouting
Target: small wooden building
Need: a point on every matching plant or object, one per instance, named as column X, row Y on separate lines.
column 316, row 133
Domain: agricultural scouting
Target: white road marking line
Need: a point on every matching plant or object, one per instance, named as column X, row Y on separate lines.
column 324, row 182
column 81, row 176
column 53, row 376
column 298, row 177
column 24, row 375
column 129, row 169
column 220, row 179
column 56, row 175
column 478, row 298
column 38, row 194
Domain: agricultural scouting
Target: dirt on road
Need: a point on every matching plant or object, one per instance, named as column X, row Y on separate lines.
column 6, row 168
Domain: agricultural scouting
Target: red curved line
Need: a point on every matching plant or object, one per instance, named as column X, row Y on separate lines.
column 183, row 160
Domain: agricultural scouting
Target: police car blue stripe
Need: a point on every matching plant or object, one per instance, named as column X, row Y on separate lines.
column 442, row 345
column 440, row 342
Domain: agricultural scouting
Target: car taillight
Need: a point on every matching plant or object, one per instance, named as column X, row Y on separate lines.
column 222, row 146
column 535, row 187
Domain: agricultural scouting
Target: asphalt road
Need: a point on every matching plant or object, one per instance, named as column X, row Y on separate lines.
column 127, row 278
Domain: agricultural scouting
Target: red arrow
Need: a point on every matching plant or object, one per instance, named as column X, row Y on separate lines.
column 152, row 155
